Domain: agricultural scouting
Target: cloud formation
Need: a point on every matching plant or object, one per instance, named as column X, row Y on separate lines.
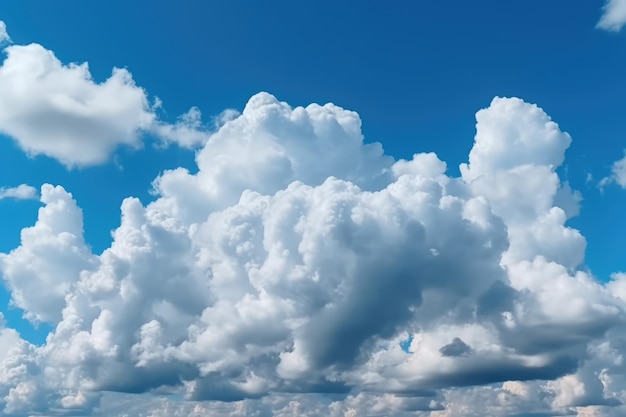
column 58, row 110
column 618, row 174
column 21, row 192
column 301, row 271
column 613, row 15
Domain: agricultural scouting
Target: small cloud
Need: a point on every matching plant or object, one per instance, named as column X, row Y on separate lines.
column 188, row 131
column 225, row 117
column 21, row 192
column 64, row 114
column 53, row 109
column 4, row 35
column 613, row 16
column 618, row 174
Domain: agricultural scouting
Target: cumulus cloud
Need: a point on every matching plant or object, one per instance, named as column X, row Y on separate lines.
column 266, row 148
column 301, row 271
column 21, row 192
column 58, row 110
column 51, row 255
column 613, row 15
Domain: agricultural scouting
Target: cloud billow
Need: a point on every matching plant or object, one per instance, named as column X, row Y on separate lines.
column 303, row 274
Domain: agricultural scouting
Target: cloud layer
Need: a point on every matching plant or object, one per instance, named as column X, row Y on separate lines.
column 301, row 271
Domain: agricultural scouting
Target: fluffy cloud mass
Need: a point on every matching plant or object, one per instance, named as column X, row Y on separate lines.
column 302, row 272
column 613, row 15
column 57, row 110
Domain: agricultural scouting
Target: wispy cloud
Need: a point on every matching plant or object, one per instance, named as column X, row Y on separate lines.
column 613, row 15
column 618, row 174
column 4, row 35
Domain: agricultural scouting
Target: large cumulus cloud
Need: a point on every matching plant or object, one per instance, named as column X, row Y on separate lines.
column 301, row 271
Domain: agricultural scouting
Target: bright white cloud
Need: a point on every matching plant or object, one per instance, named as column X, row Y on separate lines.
column 613, row 15
column 58, row 110
column 21, row 192
column 51, row 256
column 266, row 148
column 256, row 278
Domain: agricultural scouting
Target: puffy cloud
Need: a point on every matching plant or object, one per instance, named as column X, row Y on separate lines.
column 266, row 148
column 21, row 192
column 613, row 15
column 512, row 164
column 58, row 110
column 52, row 255
column 301, row 271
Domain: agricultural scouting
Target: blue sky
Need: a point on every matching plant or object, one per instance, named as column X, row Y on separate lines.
column 416, row 73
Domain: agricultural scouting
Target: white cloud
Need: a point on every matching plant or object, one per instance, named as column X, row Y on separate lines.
column 187, row 132
column 613, row 15
column 58, row 110
column 254, row 281
column 21, row 192
column 4, row 35
column 266, row 148
column 618, row 174
column 51, row 255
